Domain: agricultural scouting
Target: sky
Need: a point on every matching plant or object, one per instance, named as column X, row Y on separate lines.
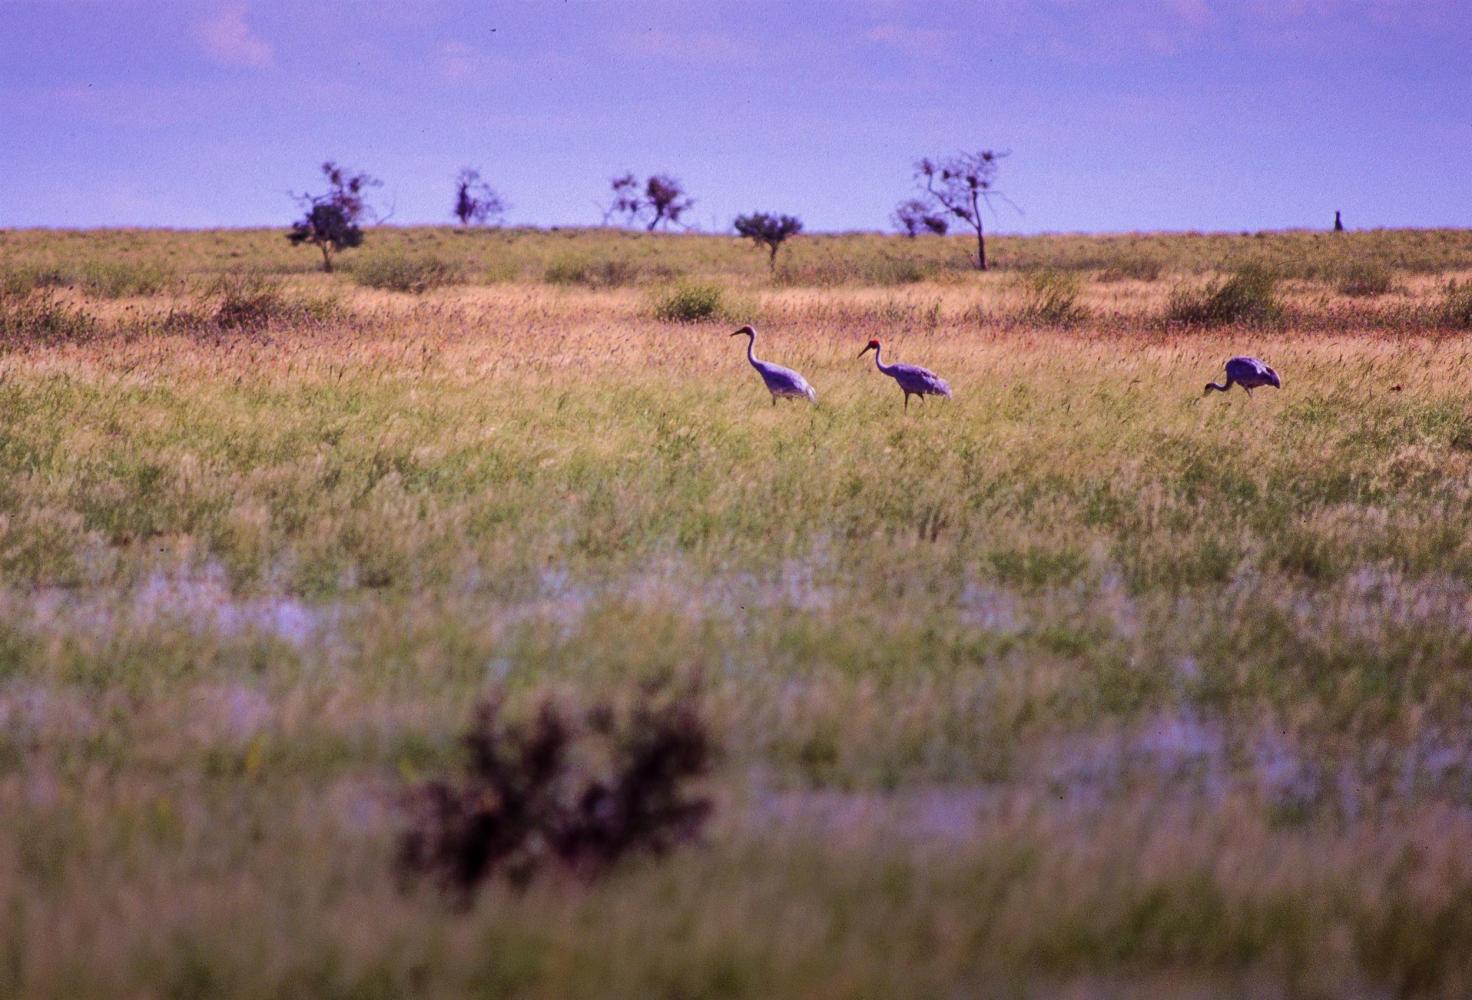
column 1136, row 115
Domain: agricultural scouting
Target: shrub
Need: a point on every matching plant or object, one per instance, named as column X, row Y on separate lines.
column 38, row 316
column 1132, row 267
column 591, row 272
column 690, row 302
column 404, row 273
column 1365, row 280
column 114, row 279
column 880, row 269
column 253, row 301
column 22, row 279
column 1245, row 297
column 1051, row 298
column 1456, row 305
column 578, row 793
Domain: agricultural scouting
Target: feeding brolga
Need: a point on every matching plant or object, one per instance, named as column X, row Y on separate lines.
column 914, row 380
column 1249, row 373
column 780, row 382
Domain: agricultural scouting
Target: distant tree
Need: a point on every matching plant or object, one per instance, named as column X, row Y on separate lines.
column 1338, row 222
column 331, row 220
column 959, row 185
column 768, row 230
column 475, row 200
column 660, row 201
column 914, row 217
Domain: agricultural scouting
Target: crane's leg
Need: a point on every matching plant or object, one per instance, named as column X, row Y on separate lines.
column 774, row 399
column 1248, row 388
column 907, row 401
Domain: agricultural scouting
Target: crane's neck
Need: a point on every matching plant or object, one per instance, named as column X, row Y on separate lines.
column 751, row 349
column 886, row 369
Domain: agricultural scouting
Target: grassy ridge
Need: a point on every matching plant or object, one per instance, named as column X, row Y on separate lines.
column 1077, row 682
column 618, row 257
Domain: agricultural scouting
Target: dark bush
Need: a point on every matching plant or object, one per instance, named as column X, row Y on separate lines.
column 39, row 316
column 404, row 273
column 578, row 794
column 1365, row 280
column 1131, row 266
column 22, row 279
column 253, row 301
column 1051, row 299
column 691, row 302
column 1456, row 305
column 591, row 272
column 1245, row 297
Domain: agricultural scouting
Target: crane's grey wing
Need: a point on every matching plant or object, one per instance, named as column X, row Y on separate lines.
column 786, row 382
column 1243, row 368
column 913, row 378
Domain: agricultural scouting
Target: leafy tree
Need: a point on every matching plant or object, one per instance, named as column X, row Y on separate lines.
column 331, row 220
column 914, row 217
column 475, row 200
column 769, row 230
column 660, row 201
column 959, row 185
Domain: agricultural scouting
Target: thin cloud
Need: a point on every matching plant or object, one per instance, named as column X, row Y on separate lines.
column 920, row 43
column 684, row 46
column 229, row 41
column 459, row 61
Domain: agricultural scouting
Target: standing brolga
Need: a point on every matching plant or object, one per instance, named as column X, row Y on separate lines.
column 780, row 382
column 914, row 380
column 1249, row 373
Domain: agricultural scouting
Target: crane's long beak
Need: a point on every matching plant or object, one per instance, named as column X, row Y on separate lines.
column 865, row 351
column 739, row 333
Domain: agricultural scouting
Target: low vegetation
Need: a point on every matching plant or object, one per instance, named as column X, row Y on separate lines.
column 1051, row 298
column 1365, row 280
column 691, row 302
column 1245, row 296
column 1077, row 684
column 534, row 793
column 413, row 274
column 257, row 301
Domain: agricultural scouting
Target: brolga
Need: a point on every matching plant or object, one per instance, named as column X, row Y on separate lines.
column 1249, row 373
column 783, row 383
column 914, row 380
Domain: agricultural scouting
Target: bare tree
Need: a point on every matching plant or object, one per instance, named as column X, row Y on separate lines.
column 330, row 222
column 960, row 185
column 769, row 230
column 660, row 201
column 914, row 217
column 475, row 200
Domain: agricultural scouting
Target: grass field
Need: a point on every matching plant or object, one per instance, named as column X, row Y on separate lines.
column 1077, row 685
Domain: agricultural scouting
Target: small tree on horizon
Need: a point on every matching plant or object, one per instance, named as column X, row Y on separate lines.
column 768, row 230
column 960, row 185
column 660, row 201
column 475, row 200
column 914, row 217
column 330, row 222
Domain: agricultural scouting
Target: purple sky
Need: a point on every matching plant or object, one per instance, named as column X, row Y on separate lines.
column 1140, row 114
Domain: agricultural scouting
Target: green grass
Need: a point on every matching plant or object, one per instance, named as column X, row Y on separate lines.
column 1076, row 683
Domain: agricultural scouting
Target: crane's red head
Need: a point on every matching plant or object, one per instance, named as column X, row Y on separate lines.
column 873, row 346
column 748, row 331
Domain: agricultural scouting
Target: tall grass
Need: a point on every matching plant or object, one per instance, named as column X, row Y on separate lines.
column 414, row 274
column 1051, row 298
column 41, row 317
column 1080, row 683
column 1246, row 296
